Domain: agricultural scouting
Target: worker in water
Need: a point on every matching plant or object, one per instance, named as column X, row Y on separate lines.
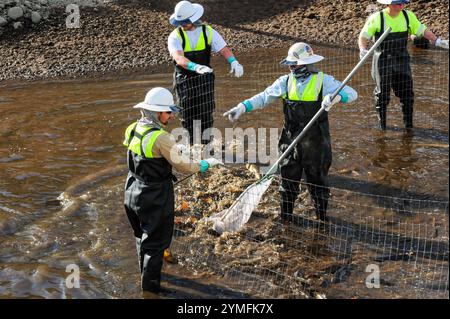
column 149, row 193
column 391, row 62
column 190, row 46
column 303, row 92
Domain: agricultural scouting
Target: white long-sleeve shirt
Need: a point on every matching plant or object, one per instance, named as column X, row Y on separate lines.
column 279, row 88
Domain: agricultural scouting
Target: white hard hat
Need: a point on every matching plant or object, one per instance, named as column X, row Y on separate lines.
column 186, row 12
column 393, row 1
column 159, row 100
column 300, row 54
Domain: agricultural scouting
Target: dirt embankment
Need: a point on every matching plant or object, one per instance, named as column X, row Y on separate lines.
column 130, row 35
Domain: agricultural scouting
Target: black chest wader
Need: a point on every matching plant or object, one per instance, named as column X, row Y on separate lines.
column 194, row 92
column 391, row 69
column 149, row 204
column 312, row 154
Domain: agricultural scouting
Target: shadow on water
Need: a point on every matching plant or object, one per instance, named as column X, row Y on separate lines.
column 404, row 200
column 401, row 246
column 185, row 288
column 423, row 133
column 422, row 61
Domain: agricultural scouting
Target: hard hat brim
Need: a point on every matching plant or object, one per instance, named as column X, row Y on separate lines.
column 310, row 60
column 157, row 108
column 199, row 10
column 393, row 1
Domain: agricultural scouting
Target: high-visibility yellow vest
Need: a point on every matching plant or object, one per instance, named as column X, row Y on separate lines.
column 310, row 93
column 201, row 43
column 134, row 136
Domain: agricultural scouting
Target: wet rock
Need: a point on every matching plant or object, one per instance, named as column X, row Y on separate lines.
column 3, row 22
column 35, row 17
column 15, row 13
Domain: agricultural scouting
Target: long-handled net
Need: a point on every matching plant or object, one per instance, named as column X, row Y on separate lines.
column 233, row 218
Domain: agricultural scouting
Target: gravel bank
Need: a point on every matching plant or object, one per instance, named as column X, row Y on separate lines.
column 122, row 36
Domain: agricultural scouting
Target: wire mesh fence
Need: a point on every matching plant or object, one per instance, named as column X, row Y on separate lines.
column 382, row 237
column 371, row 246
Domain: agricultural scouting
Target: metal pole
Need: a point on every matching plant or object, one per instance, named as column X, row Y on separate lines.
column 184, row 178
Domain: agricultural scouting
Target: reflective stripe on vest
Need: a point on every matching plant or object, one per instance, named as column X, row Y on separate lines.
column 128, row 131
column 311, row 92
column 149, row 148
column 201, row 45
column 134, row 135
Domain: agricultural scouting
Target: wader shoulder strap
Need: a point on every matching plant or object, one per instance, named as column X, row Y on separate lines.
column 208, row 40
column 183, row 40
column 405, row 14
column 381, row 21
column 204, row 34
column 287, row 87
column 291, row 89
column 285, row 95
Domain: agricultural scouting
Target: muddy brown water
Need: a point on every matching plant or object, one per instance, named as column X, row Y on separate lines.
column 62, row 168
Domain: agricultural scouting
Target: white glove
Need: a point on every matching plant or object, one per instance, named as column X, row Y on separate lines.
column 235, row 112
column 327, row 104
column 441, row 43
column 202, row 69
column 237, row 68
column 362, row 53
column 213, row 162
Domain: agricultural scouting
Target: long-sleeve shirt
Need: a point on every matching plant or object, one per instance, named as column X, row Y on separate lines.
column 279, row 88
column 165, row 146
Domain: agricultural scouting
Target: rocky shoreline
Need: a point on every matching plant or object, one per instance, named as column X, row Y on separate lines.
column 123, row 36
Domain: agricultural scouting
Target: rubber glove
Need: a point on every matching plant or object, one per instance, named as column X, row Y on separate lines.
column 362, row 53
column 327, row 104
column 213, row 161
column 202, row 69
column 237, row 68
column 208, row 163
column 235, row 112
column 441, row 43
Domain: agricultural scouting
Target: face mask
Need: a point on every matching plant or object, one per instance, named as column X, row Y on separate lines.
column 301, row 72
column 304, row 71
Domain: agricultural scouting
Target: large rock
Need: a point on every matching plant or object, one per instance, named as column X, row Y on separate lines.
column 15, row 13
column 3, row 22
column 35, row 17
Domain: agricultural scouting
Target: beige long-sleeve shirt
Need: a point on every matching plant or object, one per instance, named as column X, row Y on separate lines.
column 166, row 146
